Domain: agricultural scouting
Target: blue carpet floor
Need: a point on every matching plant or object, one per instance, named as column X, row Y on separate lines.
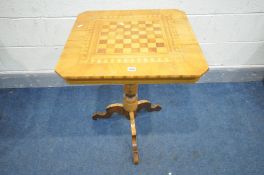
column 206, row 129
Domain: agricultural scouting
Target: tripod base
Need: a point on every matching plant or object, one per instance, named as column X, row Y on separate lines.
column 129, row 108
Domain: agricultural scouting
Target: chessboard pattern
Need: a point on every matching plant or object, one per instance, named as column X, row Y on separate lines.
column 158, row 44
column 130, row 37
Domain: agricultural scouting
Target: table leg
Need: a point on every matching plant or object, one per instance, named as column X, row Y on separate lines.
column 110, row 109
column 145, row 104
column 134, row 137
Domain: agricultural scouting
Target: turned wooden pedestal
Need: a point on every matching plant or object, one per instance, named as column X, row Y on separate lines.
column 130, row 106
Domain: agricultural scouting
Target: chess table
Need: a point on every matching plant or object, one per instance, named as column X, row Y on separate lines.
column 131, row 47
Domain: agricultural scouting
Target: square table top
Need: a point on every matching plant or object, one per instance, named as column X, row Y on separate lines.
column 131, row 46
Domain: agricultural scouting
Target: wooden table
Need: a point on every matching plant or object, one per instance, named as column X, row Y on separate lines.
column 131, row 47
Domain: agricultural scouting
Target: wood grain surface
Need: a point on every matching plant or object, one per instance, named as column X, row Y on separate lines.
column 134, row 46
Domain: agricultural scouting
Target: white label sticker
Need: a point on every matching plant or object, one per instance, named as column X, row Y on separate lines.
column 131, row 69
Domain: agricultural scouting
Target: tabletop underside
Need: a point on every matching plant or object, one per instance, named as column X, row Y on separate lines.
column 136, row 46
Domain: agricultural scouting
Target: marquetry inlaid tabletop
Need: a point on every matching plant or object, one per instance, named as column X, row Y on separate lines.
column 135, row 46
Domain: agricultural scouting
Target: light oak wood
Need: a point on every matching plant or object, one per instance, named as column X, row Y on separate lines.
column 126, row 81
column 135, row 46
column 110, row 109
column 130, row 97
column 131, row 47
column 145, row 104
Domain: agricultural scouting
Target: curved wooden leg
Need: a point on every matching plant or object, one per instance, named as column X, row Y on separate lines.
column 145, row 104
column 118, row 108
column 134, row 138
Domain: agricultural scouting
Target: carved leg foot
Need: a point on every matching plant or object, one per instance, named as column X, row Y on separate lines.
column 134, row 137
column 113, row 108
column 145, row 104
